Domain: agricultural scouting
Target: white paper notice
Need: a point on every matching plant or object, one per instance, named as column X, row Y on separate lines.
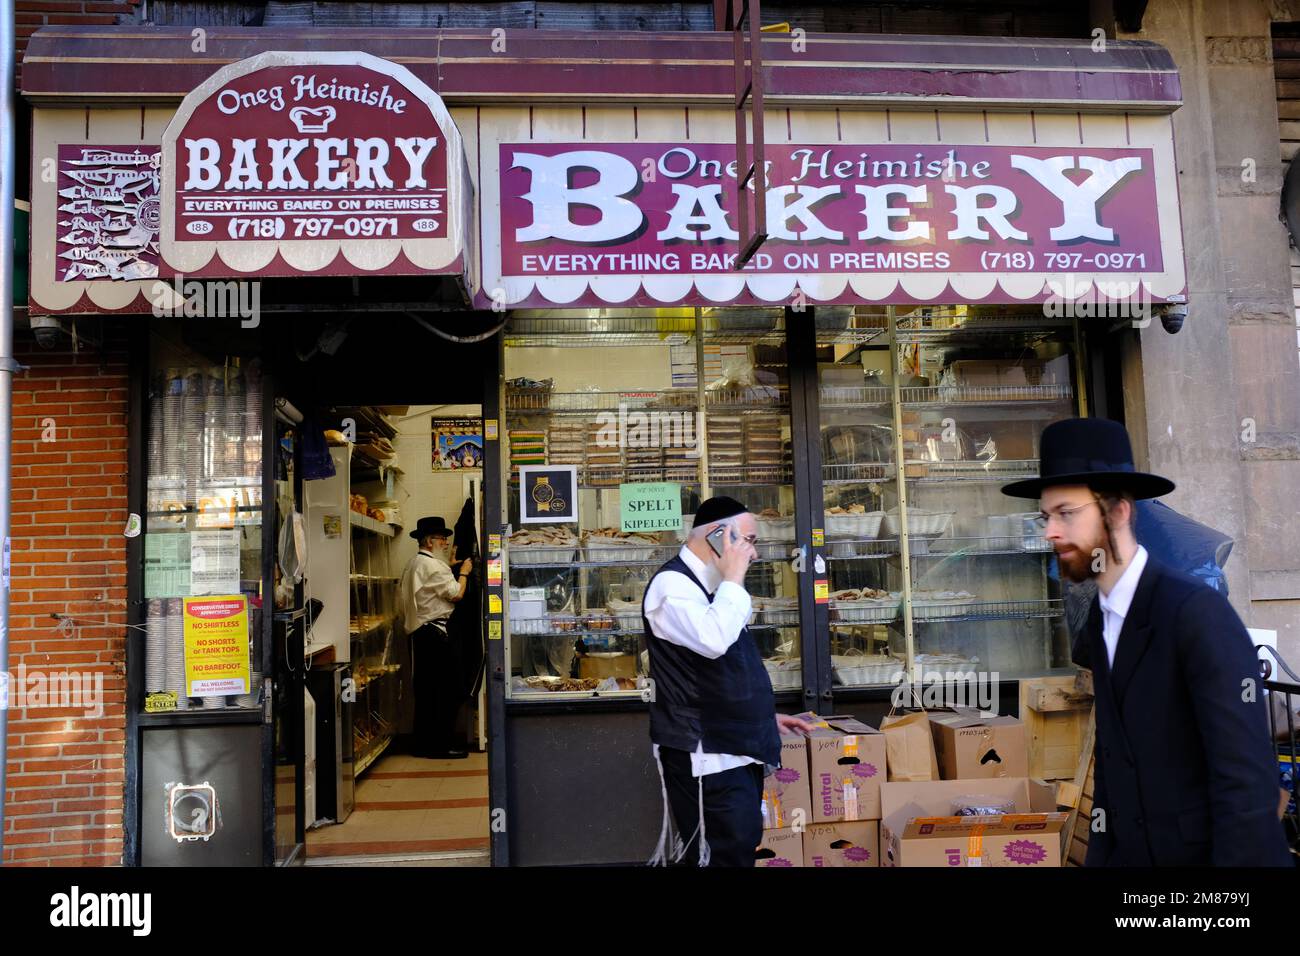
column 214, row 561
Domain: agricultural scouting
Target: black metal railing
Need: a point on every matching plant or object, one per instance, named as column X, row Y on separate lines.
column 1283, row 700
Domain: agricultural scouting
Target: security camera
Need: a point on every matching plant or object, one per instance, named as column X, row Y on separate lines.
column 1172, row 316
column 48, row 330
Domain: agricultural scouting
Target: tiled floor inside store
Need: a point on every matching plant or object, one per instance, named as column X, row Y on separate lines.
column 412, row 811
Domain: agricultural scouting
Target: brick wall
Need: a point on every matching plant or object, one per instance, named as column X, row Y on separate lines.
column 65, row 772
column 31, row 15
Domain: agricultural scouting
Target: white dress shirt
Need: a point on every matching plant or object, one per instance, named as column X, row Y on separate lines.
column 1115, row 605
column 680, row 613
column 426, row 590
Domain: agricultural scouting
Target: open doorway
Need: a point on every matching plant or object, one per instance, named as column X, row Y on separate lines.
column 394, row 755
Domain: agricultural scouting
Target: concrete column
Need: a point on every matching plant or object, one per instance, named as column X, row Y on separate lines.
column 1222, row 398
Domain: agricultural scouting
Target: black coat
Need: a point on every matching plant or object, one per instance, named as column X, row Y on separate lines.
column 1185, row 770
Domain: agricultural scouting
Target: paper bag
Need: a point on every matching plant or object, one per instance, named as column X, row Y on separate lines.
column 909, row 748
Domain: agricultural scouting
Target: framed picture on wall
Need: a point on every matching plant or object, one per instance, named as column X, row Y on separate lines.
column 548, row 494
column 457, row 444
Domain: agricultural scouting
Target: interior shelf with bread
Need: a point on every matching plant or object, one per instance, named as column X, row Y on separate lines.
column 351, row 573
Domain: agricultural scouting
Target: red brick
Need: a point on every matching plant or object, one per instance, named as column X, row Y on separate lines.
column 51, row 822
column 13, row 809
column 22, row 780
column 28, row 838
column 37, row 852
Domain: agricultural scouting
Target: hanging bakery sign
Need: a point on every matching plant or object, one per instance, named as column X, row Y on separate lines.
column 648, row 224
column 314, row 163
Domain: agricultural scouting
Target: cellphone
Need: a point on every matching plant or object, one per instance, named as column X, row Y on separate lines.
column 714, row 538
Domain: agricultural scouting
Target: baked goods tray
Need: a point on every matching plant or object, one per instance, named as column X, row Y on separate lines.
column 880, row 611
column 923, row 610
column 542, row 554
column 615, row 551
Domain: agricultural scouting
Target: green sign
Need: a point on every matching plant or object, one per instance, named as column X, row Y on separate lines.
column 650, row 506
column 166, row 564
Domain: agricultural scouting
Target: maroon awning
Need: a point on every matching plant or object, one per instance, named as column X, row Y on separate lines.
column 107, row 65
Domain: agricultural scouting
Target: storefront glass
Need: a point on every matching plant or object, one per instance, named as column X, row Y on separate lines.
column 203, row 527
column 945, row 403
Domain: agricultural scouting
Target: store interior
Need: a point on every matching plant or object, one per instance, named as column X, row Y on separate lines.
column 371, row 793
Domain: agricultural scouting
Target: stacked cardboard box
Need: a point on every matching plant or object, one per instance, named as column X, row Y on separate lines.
column 566, row 443
column 846, row 761
column 919, row 826
column 763, row 447
column 973, row 744
column 780, row 848
column 842, row 844
column 726, row 449
column 604, row 457
column 644, row 464
column 787, row 806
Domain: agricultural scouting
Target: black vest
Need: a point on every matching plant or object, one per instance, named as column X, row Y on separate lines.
column 726, row 703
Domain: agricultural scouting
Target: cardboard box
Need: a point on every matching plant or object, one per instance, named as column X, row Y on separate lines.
column 846, row 762
column 780, row 848
column 842, row 844
column 598, row 668
column 1012, row 840
column 787, row 796
column 972, row 744
column 905, row 803
column 998, row 372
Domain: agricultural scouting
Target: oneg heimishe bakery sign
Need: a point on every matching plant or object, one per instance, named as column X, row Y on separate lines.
column 280, row 162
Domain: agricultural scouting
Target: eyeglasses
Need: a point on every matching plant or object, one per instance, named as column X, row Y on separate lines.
column 1043, row 518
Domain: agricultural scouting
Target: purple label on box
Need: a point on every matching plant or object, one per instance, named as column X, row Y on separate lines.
column 865, row 770
column 778, row 861
column 787, row 775
column 1024, row 852
column 857, row 854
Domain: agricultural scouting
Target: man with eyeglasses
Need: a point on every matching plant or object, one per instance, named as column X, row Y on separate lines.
column 1184, row 770
column 712, row 718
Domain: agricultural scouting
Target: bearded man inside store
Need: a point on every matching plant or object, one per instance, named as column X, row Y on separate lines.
column 1184, row 770
column 428, row 593
column 712, row 720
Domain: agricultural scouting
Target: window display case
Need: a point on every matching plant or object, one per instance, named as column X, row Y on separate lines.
column 894, row 429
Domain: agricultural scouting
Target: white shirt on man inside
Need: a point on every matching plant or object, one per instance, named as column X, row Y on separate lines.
column 680, row 613
column 425, row 591
column 1115, row 605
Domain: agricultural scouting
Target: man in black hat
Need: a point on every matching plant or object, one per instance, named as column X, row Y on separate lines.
column 1184, row 773
column 712, row 717
column 428, row 593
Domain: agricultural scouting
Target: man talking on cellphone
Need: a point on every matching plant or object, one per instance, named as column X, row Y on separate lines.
column 712, row 720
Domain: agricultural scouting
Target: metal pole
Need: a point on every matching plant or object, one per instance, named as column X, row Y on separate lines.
column 7, row 364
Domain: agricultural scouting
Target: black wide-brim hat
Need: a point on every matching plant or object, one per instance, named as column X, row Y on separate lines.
column 1088, row 451
column 427, row 526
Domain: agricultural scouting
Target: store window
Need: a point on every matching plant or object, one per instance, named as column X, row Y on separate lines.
column 920, row 429
column 920, row 415
column 203, row 527
column 694, row 401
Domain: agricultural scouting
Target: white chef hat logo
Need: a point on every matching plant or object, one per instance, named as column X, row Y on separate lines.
column 312, row 120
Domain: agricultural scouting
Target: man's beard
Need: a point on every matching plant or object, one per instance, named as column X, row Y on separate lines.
column 1077, row 566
